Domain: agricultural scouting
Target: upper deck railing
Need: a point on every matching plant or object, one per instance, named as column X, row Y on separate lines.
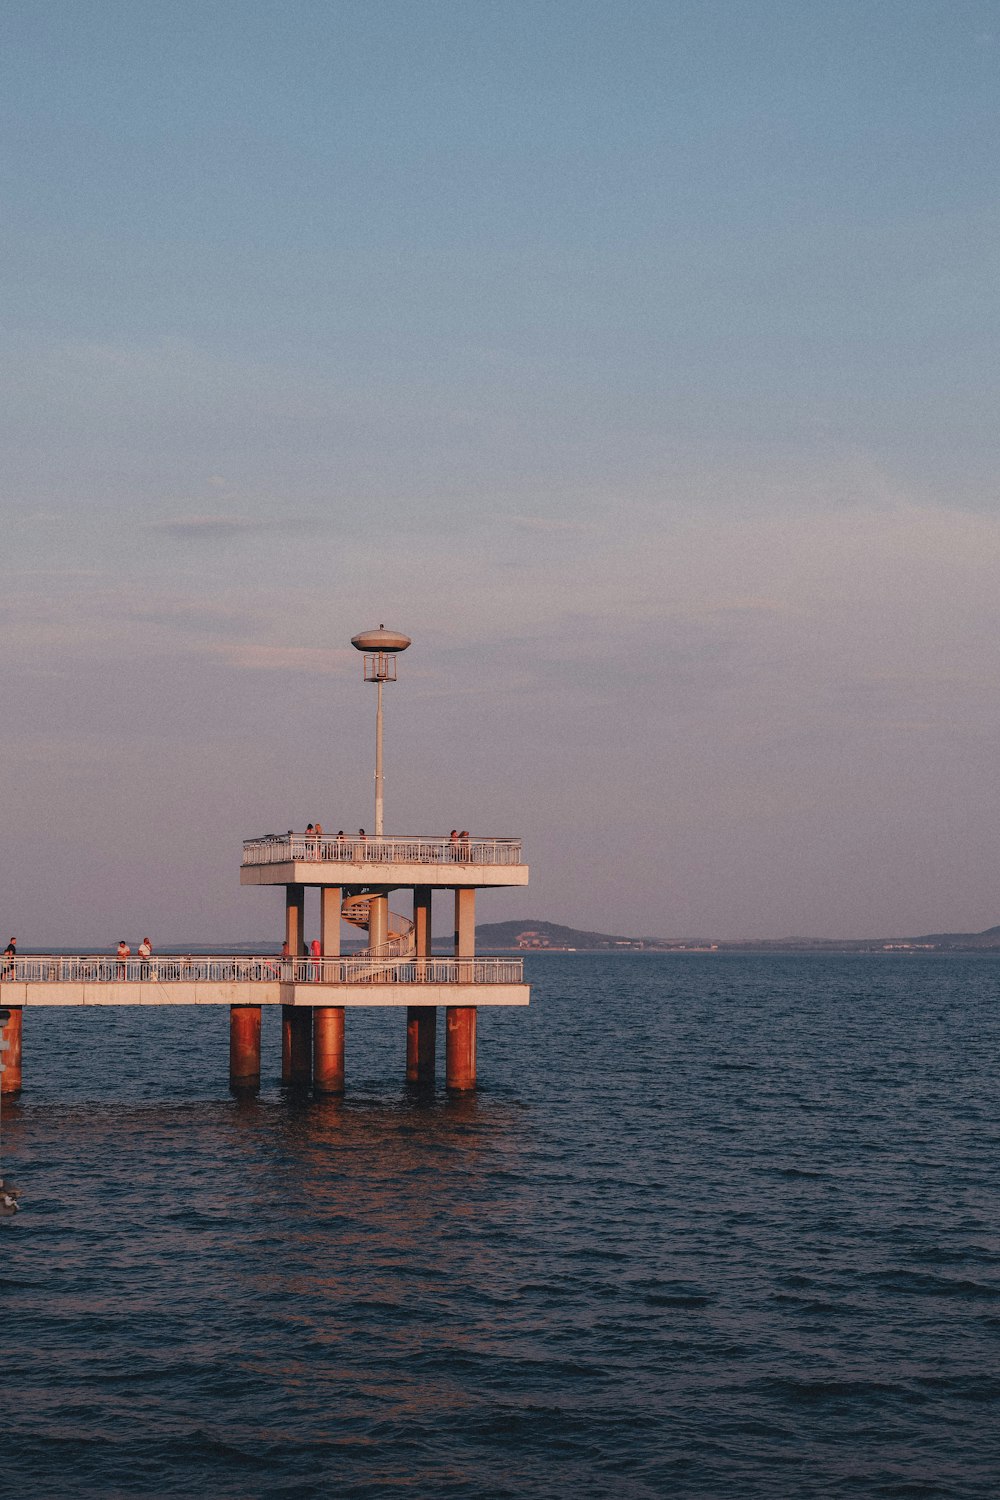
column 362, row 968
column 279, row 848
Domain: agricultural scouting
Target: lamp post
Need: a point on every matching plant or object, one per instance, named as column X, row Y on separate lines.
column 380, row 648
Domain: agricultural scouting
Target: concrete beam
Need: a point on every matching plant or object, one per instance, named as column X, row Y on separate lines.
column 276, row 993
column 388, row 877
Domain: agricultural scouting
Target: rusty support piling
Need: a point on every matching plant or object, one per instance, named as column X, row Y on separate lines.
column 244, row 1048
column 296, row 1044
column 460, row 1050
column 10, row 1078
column 328, row 1049
column 421, row 1036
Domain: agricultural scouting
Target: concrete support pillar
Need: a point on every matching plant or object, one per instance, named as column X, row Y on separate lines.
column 378, row 921
column 460, row 1052
column 295, row 908
column 296, row 1044
column 421, row 1039
column 244, row 1047
column 328, row 1049
column 330, row 901
column 465, row 923
column 10, row 1078
column 465, row 934
column 422, row 921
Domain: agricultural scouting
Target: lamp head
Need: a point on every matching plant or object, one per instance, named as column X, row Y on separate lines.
column 380, row 640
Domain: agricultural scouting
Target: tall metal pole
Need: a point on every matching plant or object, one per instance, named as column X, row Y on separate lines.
column 380, row 648
column 378, row 763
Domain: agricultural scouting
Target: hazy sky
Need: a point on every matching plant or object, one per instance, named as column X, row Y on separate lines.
column 636, row 357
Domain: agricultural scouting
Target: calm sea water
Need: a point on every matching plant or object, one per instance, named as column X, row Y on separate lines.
column 713, row 1226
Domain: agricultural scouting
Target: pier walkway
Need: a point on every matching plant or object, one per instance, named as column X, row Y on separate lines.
column 234, row 979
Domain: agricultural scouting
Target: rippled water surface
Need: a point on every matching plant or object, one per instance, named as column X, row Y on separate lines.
column 712, row 1226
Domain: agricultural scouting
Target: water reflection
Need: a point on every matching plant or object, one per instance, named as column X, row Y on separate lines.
column 728, row 1237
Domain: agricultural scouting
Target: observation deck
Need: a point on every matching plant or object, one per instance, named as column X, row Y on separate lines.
column 387, row 862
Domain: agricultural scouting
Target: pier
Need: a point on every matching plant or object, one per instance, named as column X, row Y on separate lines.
column 356, row 877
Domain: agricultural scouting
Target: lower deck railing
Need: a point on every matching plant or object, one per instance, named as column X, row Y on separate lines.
column 361, row 969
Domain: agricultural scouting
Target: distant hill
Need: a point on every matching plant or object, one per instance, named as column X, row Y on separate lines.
column 532, row 933
column 988, row 939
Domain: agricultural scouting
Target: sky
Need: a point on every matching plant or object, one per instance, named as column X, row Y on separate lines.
column 637, row 358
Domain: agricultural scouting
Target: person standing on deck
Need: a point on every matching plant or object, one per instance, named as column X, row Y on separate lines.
column 124, row 952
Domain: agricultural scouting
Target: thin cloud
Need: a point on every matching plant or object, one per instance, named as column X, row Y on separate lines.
column 318, row 660
column 748, row 606
column 548, row 524
column 212, row 528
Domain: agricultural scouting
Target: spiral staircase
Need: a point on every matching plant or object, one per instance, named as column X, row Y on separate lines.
column 400, row 943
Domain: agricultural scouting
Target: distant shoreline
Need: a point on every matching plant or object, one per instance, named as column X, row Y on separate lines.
column 723, row 950
column 636, row 947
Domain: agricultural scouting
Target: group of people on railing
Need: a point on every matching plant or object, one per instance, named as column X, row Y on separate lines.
column 459, row 845
column 343, row 846
column 124, row 952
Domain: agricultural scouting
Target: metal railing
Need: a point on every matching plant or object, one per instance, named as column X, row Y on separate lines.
column 278, row 848
column 362, row 968
column 371, row 969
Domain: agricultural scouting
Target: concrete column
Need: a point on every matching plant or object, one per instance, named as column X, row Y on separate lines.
column 244, row 1047
column 10, row 1078
column 465, row 934
column 378, row 921
column 421, row 1040
column 331, row 899
column 328, row 1049
column 465, row 923
column 422, row 920
column 295, row 907
column 460, row 1051
column 296, row 1043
